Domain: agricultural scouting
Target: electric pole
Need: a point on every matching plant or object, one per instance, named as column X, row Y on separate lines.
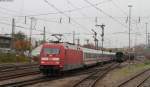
column 95, row 39
column 12, row 35
column 146, row 36
column 102, row 35
column 44, row 35
column 31, row 27
column 148, row 39
column 78, row 42
column 73, row 37
column 87, row 41
column 130, row 6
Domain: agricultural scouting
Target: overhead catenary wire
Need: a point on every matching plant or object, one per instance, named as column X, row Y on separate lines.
column 71, row 10
column 136, row 21
column 51, row 5
column 42, row 30
column 105, row 13
column 64, row 11
column 72, row 5
column 80, row 12
column 23, row 27
column 125, row 13
column 58, row 12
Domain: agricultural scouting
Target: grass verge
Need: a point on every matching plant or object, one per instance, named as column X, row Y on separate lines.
column 13, row 58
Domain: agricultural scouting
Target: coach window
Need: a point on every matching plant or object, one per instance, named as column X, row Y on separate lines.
column 89, row 55
column 85, row 55
column 95, row 55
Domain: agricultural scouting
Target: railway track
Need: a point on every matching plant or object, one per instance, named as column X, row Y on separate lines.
column 11, row 67
column 136, row 80
column 91, row 80
column 19, row 71
column 45, row 79
column 18, row 74
column 27, row 82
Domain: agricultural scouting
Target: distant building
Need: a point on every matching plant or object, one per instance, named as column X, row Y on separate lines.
column 5, row 43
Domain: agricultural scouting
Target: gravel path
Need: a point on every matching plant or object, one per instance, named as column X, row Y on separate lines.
column 117, row 75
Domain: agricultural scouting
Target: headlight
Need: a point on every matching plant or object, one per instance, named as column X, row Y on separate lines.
column 55, row 58
column 44, row 58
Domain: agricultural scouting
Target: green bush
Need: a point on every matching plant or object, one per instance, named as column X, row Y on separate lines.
column 12, row 58
column 147, row 63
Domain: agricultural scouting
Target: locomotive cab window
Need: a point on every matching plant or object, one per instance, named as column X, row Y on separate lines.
column 51, row 51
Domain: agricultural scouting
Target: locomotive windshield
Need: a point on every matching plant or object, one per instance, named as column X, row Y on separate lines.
column 51, row 51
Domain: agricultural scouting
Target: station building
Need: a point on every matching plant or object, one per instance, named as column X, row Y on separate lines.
column 5, row 43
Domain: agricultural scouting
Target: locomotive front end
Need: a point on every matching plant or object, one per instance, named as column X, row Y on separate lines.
column 51, row 59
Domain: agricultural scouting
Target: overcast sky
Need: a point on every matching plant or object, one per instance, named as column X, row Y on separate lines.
column 112, row 13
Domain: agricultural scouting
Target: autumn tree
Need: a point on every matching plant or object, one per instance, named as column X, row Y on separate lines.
column 21, row 43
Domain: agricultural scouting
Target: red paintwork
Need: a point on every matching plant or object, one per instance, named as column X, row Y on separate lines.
column 73, row 56
column 67, row 56
column 52, row 62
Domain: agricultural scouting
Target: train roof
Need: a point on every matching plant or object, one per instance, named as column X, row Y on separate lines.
column 87, row 50
column 76, row 47
column 66, row 45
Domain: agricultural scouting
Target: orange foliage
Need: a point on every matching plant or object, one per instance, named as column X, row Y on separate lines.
column 22, row 45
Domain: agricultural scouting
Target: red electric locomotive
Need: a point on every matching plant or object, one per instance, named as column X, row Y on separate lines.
column 57, row 57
